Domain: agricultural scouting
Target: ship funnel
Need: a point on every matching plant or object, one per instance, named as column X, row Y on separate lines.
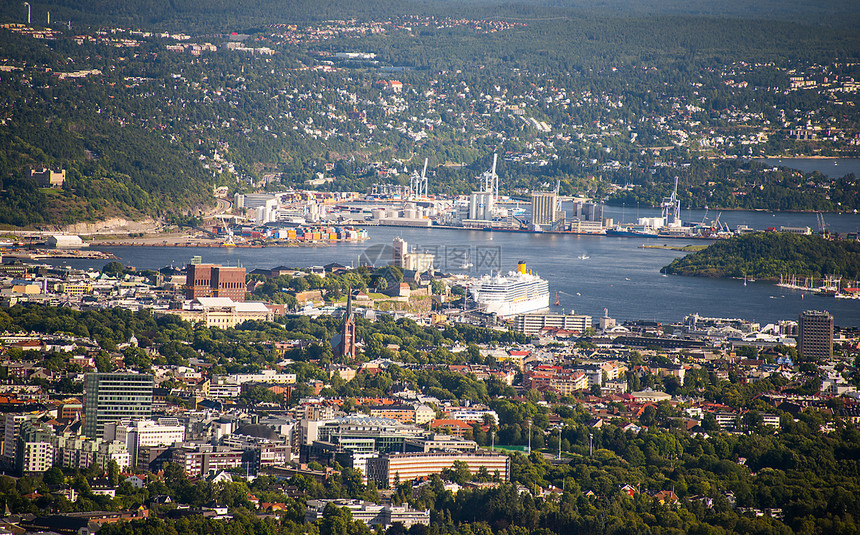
column 521, row 267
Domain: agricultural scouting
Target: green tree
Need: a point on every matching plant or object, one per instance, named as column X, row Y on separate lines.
column 53, row 476
column 114, row 269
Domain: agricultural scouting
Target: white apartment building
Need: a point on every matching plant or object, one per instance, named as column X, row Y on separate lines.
column 265, row 376
column 467, row 414
column 224, row 390
column 36, row 457
column 12, row 429
column 82, row 452
column 137, row 433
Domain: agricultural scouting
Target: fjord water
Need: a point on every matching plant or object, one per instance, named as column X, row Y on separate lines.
column 589, row 273
column 832, row 167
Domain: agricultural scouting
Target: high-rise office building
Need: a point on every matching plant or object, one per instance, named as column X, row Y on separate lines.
column 815, row 334
column 212, row 280
column 110, row 397
column 400, row 250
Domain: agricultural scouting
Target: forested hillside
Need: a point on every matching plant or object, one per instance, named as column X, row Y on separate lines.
column 771, row 255
column 145, row 124
column 223, row 13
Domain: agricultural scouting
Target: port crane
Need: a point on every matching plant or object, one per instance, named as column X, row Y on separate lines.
column 418, row 183
column 672, row 204
column 557, row 198
column 490, row 180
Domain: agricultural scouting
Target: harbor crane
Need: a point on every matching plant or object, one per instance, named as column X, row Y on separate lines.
column 225, row 220
column 490, row 179
column 557, row 198
column 418, row 183
column 673, row 204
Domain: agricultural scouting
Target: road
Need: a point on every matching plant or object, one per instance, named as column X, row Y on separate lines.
column 223, row 206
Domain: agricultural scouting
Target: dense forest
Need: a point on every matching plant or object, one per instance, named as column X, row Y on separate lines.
column 771, row 255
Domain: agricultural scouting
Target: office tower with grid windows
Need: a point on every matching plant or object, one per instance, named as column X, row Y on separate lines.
column 815, row 334
column 110, row 397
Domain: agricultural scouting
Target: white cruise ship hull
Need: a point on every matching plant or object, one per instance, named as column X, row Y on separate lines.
column 516, row 293
column 506, row 309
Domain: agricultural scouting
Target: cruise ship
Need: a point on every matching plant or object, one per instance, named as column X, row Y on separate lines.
column 518, row 292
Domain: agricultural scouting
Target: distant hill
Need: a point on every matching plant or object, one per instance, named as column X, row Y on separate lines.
column 111, row 171
column 769, row 255
column 221, row 14
column 828, row 12
column 145, row 128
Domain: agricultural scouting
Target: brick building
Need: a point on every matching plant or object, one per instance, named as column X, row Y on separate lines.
column 213, row 280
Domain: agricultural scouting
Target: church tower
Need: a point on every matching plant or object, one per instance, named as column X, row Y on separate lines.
column 343, row 343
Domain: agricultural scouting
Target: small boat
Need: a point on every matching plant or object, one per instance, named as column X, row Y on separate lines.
column 583, row 256
column 557, row 302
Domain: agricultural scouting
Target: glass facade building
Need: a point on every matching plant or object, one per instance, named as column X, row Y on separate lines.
column 110, row 397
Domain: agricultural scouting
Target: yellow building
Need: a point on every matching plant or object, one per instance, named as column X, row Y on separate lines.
column 222, row 312
column 76, row 288
column 26, row 289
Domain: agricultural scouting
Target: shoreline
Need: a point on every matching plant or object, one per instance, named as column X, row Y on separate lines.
column 805, row 158
column 114, row 239
column 42, row 254
column 753, row 210
column 203, row 245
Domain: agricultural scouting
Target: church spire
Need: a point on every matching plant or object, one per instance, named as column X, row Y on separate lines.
column 343, row 343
